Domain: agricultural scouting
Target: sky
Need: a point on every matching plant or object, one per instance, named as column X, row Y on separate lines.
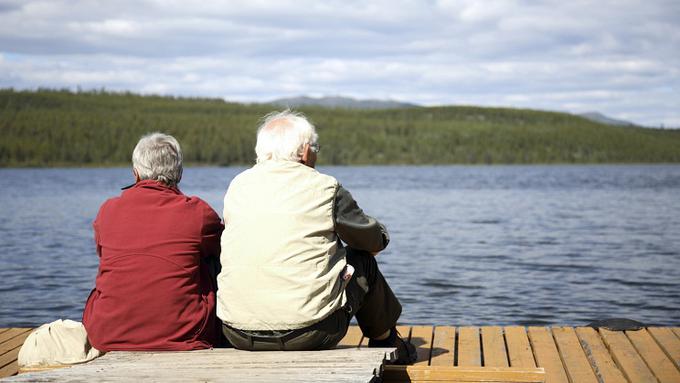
column 621, row 58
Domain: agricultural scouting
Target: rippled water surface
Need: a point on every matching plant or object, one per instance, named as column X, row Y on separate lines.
column 470, row 244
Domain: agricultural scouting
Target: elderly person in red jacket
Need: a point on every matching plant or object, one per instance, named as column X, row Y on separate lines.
column 158, row 254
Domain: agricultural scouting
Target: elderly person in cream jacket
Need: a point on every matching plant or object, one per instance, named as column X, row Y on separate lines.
column 288, row 282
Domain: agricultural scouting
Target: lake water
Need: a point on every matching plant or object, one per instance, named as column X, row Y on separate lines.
column 475, row 245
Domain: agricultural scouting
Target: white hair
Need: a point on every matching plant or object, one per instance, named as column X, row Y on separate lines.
column 283, row 135
column 158, row 157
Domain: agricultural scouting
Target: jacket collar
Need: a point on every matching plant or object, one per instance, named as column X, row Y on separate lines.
column 154, row 185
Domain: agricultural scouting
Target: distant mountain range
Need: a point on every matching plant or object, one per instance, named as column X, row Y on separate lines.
column 601, row 118
column 353, row 103
column 340, row 102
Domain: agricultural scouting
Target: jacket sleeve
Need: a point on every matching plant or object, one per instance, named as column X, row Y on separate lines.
column 210, row 232
column 354, row 227
column 96, row 225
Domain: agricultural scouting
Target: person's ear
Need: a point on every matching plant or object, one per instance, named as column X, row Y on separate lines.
column 134, row 172
column 305, row 154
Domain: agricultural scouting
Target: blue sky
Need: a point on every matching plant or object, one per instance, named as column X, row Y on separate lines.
column 621, row 58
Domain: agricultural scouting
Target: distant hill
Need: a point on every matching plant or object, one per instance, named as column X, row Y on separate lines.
column 601, row 118
column 339, row 102
column 97, row 128
column 368, row 104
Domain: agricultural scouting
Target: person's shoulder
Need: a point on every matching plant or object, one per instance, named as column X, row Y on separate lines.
column 110, row 202
column 328, row 179
column 244, row 175
column 108, row 207
column 200, row 208
column 198, row 202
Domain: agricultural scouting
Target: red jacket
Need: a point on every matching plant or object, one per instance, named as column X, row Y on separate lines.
column 153, row 289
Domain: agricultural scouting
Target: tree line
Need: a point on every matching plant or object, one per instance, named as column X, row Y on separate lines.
column 99, row 128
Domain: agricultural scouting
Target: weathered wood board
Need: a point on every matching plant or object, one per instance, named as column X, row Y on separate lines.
column 445, row 353
column 223, row 365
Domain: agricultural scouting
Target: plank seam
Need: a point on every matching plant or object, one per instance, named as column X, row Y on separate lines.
column 24, row 331
column 507, row 349
column 429, row 354
column 559, row 352
column 666, row 352
column 613, row 355
column 481, row 347
column 17, row 348
column 644, row 360
column 456, row 346
column 591, row 358
column 531, row 347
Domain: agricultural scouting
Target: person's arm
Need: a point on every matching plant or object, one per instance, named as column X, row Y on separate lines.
column 354, row 227
column 97, row 243
column 97, row 231
column 210, row 233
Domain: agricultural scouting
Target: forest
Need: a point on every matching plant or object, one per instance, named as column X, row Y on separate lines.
column 61, row 128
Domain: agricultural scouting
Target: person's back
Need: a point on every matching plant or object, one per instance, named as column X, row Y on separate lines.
column 154, row 289
column 296, row 263
column 287, row 281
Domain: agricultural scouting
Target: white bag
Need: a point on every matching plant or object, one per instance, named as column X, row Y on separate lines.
column 61, row 342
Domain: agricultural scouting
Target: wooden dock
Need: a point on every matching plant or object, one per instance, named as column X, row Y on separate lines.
column 503, row 354
column 11, row 340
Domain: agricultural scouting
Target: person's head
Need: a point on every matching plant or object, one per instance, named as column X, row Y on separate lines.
column 287, row 136
column 158, row 157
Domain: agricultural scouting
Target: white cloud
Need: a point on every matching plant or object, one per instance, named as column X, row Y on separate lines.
column 618, row 57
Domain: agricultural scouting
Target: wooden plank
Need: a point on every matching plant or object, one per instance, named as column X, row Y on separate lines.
column 546, row 355
column 15, row 342
column 603, row 365
column 339, row 365
column 3, row 330
column 662, row 367
column 519, row 349
column 676, row 330
column 9, row 350
column 443, row 346
column 8, row 362
column 11, row 333
column 624, row 354
column 462, row 374
column 670, row 343
column 404, row 332
column 493, row 345
column 573, row 357
column 9, row 354
column 469, row 354
column 421, row 337
column 9, row 370
column 352, row 338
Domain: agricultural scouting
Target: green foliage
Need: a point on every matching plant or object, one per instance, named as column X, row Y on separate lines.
column 61, row 128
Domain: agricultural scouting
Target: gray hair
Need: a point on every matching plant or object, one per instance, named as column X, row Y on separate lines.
column 283, row 135
column 158, row 157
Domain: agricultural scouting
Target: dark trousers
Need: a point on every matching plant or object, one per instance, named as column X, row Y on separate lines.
column 369, row 298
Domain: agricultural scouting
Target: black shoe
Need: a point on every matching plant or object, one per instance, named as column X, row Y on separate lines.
column 406, row 352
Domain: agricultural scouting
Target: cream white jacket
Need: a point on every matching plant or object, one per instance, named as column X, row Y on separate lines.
column 281, row 259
